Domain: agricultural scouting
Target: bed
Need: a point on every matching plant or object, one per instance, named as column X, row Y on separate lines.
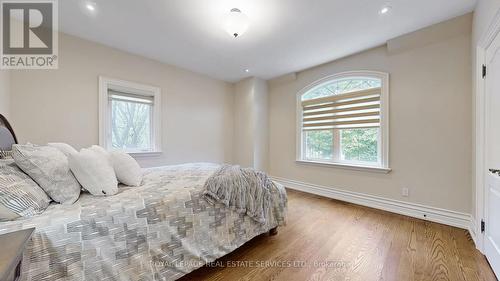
column 160, row 230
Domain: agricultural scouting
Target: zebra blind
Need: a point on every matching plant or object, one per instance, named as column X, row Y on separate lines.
column 359, row 109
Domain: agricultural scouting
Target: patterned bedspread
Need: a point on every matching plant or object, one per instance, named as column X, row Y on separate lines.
column 161, row 230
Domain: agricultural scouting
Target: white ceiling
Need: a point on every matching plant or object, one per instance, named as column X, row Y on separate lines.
column 284, row 35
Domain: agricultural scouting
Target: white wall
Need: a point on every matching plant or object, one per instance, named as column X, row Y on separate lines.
column 251, row 123
column 261, row 129
column 5, row 92
column 243, row 123
column 62, row 105
column 430, row 119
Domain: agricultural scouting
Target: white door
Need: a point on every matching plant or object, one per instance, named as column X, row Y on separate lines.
column 492, row 229
column 492, row 190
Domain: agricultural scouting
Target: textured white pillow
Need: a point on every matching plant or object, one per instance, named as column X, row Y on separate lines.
column 126, row 168
column 63, row 147
column 48, row 167
column 94, row 172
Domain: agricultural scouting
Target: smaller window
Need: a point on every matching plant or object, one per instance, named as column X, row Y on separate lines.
column 343, row 119
column 129, row 116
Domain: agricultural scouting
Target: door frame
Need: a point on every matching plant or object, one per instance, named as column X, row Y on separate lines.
column 481, row 112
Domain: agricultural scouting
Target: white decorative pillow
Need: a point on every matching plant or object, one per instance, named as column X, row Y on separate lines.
column 48, row 167
column 100, row 150
column 63, row 147
column 126, row 168
column 103, row 152
column 94, row 172
column 19, row 194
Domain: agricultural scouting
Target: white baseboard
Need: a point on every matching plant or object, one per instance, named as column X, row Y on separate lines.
column 452, row 218
column 472, row 230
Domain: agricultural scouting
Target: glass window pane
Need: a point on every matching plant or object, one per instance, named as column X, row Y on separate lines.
column 359, row 145
column 342, row 86
column 131, row 125
column 319, row 145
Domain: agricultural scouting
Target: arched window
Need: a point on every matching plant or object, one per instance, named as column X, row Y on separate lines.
column 343, row 120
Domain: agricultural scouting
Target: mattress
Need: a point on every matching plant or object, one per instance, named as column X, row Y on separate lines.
column 161, row 230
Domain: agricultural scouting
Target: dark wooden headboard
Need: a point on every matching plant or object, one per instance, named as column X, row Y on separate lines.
column 7, row 135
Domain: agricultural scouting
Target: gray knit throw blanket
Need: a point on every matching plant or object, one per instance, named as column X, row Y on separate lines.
column 244, row 190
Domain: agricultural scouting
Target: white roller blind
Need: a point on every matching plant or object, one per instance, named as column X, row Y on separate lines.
column 115, row 95
column 359, row 109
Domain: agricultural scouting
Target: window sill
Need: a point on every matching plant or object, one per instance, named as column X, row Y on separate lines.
column 347, row 166
column 145, row 154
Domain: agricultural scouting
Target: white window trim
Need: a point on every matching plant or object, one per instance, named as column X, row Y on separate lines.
column 384, row 123
column 106, row 84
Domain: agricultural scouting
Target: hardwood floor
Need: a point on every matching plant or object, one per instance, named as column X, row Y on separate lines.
column 327, row 239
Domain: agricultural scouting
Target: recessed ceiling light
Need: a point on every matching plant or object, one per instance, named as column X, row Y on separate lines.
column 90, row 6
column 385, row 9
column 247, row 70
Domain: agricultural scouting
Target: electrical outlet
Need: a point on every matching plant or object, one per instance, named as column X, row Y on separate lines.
column 405, row 192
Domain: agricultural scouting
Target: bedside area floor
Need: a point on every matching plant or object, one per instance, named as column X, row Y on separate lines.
column 326, row 239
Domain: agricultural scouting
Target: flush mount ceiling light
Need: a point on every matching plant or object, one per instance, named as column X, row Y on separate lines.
column 91, row 6
column 236, row 23
column 385, row 9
